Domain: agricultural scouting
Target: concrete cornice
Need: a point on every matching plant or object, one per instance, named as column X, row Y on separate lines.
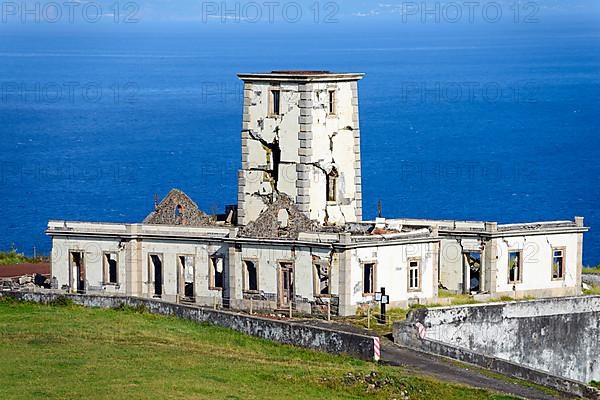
column 135, row 232
column 301, row 76
column 511, row 233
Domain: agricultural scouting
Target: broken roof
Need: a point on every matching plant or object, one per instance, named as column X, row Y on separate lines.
column 177, row 208
column 269, row 224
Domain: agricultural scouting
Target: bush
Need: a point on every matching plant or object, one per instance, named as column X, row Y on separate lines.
column 14, row 257
column 8, row 299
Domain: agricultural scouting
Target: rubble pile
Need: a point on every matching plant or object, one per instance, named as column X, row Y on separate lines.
column 270, row 223
column 27, row 282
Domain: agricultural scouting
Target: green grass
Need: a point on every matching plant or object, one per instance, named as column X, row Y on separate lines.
column 595, row 384
column 70, row 352
column 592, row 270
column 594, row 290
column 370, row 320
column 456, row 298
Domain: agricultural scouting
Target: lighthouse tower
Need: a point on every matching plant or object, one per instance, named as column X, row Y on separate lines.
column 301, row 138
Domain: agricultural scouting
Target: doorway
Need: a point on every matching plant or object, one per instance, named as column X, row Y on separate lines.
column 155, row 273
column 471, row 272
column 186, row 278
column 286, row 284
column 77, row 271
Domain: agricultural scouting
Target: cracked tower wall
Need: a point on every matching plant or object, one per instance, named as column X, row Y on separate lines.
column 292, row 148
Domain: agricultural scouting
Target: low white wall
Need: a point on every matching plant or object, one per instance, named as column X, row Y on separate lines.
column 558, row 336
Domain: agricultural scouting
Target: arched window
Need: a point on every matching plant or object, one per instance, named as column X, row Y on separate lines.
column 178, row 214
column 331, row 185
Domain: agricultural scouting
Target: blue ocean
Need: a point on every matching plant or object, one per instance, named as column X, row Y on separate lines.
column 494, row 122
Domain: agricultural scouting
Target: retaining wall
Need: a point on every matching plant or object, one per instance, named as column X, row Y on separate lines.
column 297, row 334
column 591, row 279
column 553, row 342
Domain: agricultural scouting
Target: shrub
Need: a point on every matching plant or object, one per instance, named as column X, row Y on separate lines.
column 14, row 257
column 8, row 299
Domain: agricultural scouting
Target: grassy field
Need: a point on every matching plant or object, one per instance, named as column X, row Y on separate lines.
column 71, row 352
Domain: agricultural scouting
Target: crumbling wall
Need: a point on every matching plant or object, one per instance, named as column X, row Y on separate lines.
column 269, row 148
column 268, row 259
column 335, row 144
column 292, row 152
column 271, row 224
column 93, row 262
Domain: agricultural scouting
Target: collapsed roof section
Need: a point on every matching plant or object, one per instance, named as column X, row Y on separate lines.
column 281, row 219
column 177, row 208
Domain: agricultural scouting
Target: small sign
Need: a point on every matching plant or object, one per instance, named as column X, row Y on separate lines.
column 421, row 330
column 377, row 296
column 385, row 299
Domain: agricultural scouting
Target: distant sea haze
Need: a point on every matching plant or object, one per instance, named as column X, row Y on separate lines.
column 494, row 124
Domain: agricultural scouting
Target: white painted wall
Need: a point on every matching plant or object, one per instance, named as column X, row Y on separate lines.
column 391, row 262
column 326, row 129
column 392, row 272
column 93, row 250
column 268, row 259
column 537, row 261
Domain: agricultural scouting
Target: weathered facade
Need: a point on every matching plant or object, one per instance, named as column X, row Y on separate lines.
column 296, row 239
column 556, row 335
column 301, row 137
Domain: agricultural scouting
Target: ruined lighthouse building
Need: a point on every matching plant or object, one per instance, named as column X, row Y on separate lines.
column 296, row 238
column 301, row 137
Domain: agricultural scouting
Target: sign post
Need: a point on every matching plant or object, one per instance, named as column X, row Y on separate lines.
column 383, row 299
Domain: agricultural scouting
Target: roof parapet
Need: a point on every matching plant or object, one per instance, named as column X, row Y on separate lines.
column 302, row 76
column 491, row 226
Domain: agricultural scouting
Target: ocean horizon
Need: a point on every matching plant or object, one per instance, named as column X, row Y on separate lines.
column 477, row 123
